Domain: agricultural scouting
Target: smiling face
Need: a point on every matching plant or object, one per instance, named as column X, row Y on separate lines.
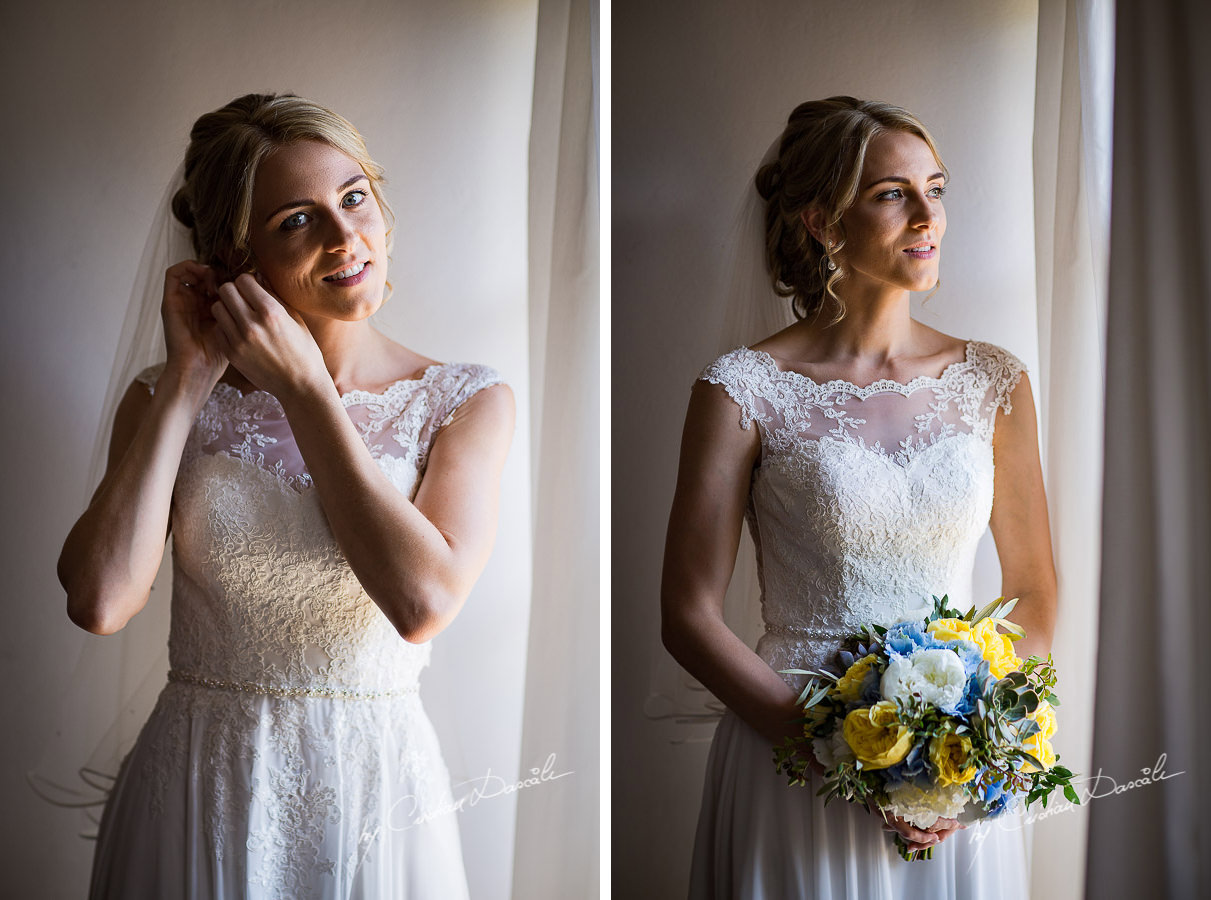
column 317, row 233
column 893, row 230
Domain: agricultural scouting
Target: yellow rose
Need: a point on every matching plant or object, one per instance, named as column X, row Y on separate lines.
column 949, row 630
column 1040, row 748
column 949, row 754
column 876, row 736
column 850, row 686
column 995, row 647
column 1045, row 716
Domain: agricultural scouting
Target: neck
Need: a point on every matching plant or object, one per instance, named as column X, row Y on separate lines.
column 876, row 327
column 349, row 350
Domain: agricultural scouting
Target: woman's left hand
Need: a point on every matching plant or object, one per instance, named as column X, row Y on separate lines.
column 266, row 340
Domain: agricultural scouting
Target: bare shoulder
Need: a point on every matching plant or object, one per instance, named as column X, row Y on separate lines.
column 791, row 343
column 937, row 345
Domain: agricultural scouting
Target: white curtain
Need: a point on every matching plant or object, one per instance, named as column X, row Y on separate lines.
column 1153, row 717
column 557, row 822
column 1071, row 190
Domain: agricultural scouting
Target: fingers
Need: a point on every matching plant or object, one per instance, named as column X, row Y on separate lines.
column 944, row 825
column 229, row 329
column 189, row 275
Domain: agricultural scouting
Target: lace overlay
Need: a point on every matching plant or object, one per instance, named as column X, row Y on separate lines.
column 312, row 771
column 866, row 501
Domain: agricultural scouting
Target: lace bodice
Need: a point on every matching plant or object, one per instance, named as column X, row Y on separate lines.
column 261, row 591
column 289, row 757
column 866, row 501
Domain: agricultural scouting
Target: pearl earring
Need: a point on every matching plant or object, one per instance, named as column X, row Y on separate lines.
column 832, row 266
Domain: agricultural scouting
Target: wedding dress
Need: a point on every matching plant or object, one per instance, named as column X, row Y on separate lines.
column 289, row 755
column 867, row 501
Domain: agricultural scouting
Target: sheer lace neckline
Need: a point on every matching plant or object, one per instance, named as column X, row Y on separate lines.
column 352, row 397
column 882, row 385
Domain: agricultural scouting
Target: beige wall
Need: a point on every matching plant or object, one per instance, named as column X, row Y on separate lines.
column 699, row 92
column 98, row 102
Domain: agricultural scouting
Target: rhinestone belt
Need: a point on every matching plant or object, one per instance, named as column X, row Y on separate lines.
column 269, row 690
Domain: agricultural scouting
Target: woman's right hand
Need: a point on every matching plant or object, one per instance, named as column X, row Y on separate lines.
column 918, row 838
column 190, row 330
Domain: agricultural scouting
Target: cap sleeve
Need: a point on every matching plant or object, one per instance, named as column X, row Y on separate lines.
column 459, row 384
column 735, row 372
column 1003, row 371
column 149, row 376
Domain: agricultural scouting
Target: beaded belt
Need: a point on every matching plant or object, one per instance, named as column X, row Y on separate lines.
column 791, row 630
column 269, row 690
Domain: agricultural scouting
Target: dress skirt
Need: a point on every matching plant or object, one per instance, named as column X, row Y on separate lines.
column 229, row 794
column 760, row 839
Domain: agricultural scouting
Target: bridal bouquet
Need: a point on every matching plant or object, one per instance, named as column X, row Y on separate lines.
column 932, row 719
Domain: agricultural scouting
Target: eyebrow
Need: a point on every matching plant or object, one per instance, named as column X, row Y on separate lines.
column 900, row 179
column 360, row 176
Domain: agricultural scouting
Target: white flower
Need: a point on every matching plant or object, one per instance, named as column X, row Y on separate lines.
column 935, row 676
column 922, row 808
column 833, row 749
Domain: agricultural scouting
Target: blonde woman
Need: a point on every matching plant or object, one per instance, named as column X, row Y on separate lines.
column 860, row 446
column 332, row 497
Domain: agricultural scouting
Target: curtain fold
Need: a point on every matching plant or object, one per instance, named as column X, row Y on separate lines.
column 1071, row 166
column 1152, row 719
column 556, row 852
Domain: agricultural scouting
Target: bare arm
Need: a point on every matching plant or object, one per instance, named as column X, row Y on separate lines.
column 717, row 459
column 417, row 560
column 1020, row 524
column 112, row 554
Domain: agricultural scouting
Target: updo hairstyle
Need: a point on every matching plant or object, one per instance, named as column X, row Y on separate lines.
column 819, row 164
column 225, row 149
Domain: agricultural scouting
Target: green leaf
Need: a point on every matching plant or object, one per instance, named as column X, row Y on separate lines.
column 818, row 696
column 1070, row 793
column 1029, row 727
column 1034, row 761
column 987, row 611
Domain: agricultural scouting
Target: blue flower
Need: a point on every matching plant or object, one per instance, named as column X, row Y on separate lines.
column 870, row 691
column 995, row 799
column 907, row 638
column 912, row 767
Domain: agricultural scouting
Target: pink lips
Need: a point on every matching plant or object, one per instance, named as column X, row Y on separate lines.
column 924, row 251
column 352, row 279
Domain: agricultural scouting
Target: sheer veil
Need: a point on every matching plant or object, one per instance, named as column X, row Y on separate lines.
column 141, row 343
column 751, row 311
column 116, row 679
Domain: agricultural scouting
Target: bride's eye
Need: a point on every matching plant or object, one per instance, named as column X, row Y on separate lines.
column 353, row 198
column 293, row 221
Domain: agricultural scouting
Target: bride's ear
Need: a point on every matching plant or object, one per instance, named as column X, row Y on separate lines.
column 813, row 221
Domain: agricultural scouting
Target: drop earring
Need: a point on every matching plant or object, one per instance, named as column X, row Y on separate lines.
column 832, row 266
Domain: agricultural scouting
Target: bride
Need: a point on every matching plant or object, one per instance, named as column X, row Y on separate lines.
column 859, row 444
column 332, row 497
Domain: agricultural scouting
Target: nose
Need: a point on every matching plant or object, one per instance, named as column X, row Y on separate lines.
column 925, row 212
column 339, row 235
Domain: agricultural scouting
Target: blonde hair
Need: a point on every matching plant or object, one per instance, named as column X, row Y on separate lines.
column 225, row 149
column 819, row 164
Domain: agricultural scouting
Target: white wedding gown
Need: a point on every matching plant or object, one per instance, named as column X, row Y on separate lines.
column 289, row 755
column 867, row 501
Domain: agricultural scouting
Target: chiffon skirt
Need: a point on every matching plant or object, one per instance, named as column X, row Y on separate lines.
column 233, row 795
column 760, row 839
